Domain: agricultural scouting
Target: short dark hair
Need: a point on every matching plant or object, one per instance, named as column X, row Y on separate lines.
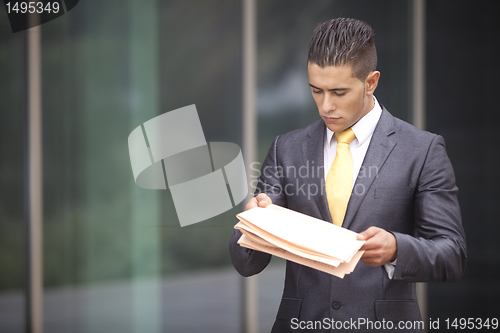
column 344, row 41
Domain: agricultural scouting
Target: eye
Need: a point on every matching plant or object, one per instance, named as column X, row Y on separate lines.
column 316, row 91
column 340, row 94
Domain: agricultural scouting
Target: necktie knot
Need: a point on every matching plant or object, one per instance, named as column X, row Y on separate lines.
column 346, row 136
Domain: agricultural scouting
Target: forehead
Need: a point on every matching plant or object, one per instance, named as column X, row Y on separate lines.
column 331, row 77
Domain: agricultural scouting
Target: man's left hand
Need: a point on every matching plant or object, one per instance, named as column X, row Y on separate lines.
column 380, row 246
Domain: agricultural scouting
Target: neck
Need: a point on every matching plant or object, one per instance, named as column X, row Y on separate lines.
column 370, row 103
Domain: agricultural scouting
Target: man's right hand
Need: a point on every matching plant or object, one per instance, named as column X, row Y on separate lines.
column 262, row 200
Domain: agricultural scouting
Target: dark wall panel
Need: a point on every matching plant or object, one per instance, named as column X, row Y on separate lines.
column 462, row 105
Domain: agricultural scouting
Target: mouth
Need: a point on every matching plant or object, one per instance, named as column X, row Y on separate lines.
column 331, row 119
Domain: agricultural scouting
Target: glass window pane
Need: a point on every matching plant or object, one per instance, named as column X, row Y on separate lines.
column 116, row 258
column 12, row 159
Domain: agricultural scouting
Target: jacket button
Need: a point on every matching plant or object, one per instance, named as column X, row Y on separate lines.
column 335, row 305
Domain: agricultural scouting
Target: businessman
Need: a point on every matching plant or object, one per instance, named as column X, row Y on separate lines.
column 380, row 177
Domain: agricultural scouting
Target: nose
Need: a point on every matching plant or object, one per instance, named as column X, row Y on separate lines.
column 328, row 104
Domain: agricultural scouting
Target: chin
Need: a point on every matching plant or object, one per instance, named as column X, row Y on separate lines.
column 335, row 128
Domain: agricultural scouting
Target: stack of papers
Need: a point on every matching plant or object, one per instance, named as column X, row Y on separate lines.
column 300, row 238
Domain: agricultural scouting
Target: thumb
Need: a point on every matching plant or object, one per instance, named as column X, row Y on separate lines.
column 263, row 200
column 368, row 233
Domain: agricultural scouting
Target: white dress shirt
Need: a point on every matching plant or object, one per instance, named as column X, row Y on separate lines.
column 363, row 130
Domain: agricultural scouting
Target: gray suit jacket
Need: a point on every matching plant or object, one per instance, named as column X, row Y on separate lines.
column 406, row 186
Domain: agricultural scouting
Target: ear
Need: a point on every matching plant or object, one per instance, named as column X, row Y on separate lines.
column 371, row 82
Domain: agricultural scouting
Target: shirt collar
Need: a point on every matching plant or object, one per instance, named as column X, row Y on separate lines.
column 365, row 127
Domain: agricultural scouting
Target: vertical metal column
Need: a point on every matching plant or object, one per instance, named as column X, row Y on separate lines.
column 145, row 206
column 418, row 101
column 34, row 218
column 250, row 290
column 418, row 63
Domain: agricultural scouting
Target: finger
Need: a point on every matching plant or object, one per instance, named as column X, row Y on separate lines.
column 374, row 241
column 372, row 257
column 370, row 262
column 369, row 245
column 372, row 254
column 368, row 233
column 252, row 203
column 263, row 200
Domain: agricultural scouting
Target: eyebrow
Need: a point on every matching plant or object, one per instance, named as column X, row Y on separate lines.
column 335, row 89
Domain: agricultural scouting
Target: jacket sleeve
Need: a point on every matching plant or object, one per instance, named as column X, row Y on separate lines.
column 250, row 262
column 438, row 252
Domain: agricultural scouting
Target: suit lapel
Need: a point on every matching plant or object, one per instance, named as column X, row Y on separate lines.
column 312, row 149
column 379, row 149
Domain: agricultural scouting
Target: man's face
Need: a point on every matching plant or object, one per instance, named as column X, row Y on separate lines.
column 342, row 99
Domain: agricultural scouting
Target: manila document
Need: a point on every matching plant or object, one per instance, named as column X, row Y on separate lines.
column 300, row 238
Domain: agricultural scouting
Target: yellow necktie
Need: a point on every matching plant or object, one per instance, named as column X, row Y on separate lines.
column 339, row 180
